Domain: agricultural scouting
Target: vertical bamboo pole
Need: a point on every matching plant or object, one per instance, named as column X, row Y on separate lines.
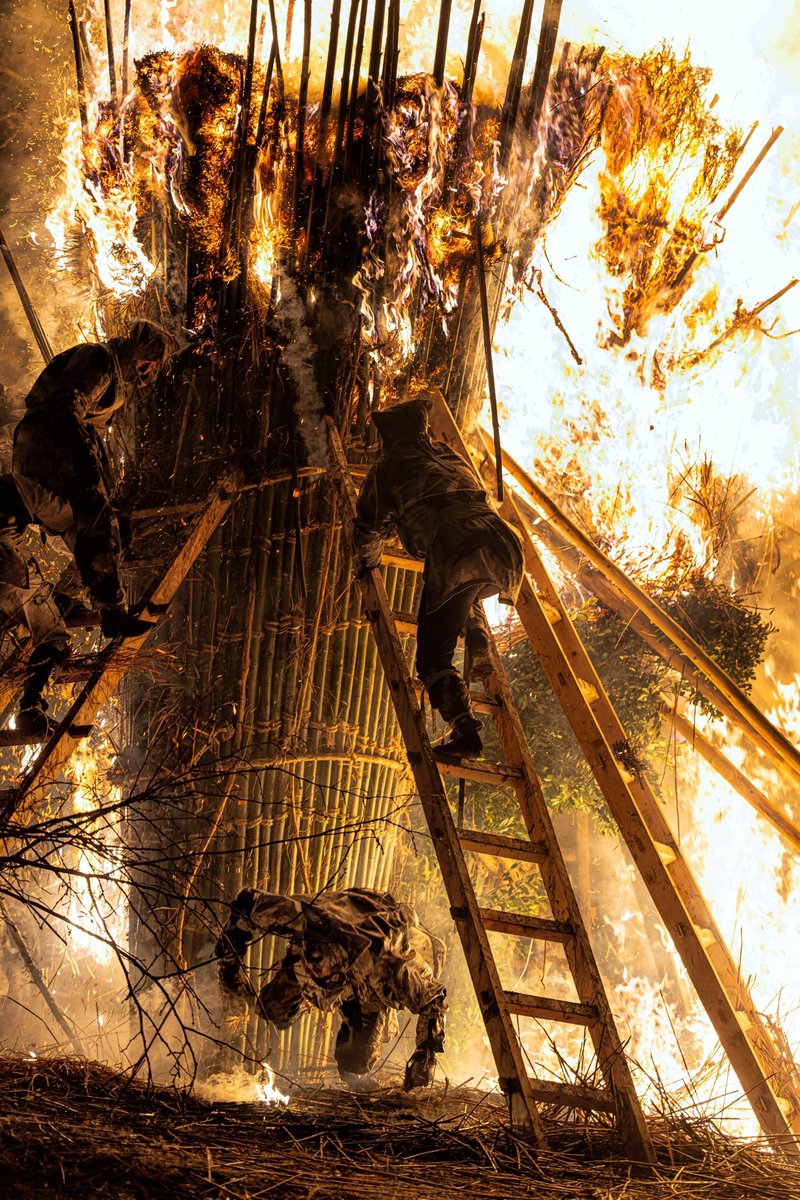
column 79, row 76
column 112, row 70
column 126, row 35
column 441, row 41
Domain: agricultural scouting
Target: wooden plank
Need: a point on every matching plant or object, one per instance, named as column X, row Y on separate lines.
column 464, row 905
column 116, row 658
column 732, row 775
column 540, row 929
column 550, row 1009
column 396, row 558
column 520, row 849
column 572, row 1095
column 480, row 772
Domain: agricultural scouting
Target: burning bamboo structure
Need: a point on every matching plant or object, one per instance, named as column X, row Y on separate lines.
column 316, row 252
column 247, row 232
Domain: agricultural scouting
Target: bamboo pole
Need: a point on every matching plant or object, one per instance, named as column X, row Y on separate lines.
column 487, row 350
column 721, row 689
column 302, row 107
column 112, row 69
column 79, row 76
column 508, row 117
column 473, row 50
column 37, row 329
column 766, row 808
column 374, row 68
column 545, row 50
column 441, row 41
column 126, row 35
column 734, row 196
column 356, row 77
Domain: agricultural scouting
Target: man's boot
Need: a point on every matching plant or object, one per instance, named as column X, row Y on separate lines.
column 477, row 646
column 32, row 719
column 120, row 622
column 449, row 694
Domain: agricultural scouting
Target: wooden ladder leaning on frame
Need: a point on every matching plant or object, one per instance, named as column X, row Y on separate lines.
column 743, row 1034
column 541, row 849
column 101, row 672
column 768, row 1083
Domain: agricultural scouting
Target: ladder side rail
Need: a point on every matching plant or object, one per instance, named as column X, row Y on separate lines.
column 711, row 680
column 656, row 853
column 564, row 904
column 679, row 900
column 464, row 905
column 117, row 657
column 555, row 876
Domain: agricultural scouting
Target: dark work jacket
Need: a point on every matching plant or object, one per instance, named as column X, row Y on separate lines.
column 57, row 443
column 429, row 497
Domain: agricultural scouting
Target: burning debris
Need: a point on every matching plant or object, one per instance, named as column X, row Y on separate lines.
column 318, row 259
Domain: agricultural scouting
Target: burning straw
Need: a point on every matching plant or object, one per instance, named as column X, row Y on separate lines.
column 112, row 1134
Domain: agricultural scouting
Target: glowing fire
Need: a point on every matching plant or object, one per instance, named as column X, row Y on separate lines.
column 97, row 912
column 268, row 1093
column 626, row 433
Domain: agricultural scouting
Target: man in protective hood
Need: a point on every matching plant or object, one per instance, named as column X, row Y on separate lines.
column 60, row 465
column 429, row 497
column 359, row 950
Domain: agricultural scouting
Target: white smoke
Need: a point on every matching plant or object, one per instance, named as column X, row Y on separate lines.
column 298, row 357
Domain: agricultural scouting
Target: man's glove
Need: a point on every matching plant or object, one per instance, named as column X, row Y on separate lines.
column 363, row 568
column 229, row 949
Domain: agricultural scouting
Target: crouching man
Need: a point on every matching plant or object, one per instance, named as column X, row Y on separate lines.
column 359, row 950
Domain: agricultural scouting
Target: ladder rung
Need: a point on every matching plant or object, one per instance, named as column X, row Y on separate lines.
column 571, row 1095
column 10, row 737
column 540, row 928
column 480, row 772
column 405, row 622
column 521, row 849
column 548, row 1008
column 394, row 558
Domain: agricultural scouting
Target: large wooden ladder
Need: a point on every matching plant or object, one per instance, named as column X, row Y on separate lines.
column 540, row 848
column 767, row 1080
column 101, row 672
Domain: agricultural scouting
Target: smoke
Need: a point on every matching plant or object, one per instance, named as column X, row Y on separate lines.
column 298, row 356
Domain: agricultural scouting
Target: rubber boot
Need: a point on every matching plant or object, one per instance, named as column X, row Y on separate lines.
column 450, row 696
column 121, row 623
column 32, row 719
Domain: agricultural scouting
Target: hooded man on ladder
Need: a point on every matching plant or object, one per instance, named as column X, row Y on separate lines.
column 429, row 497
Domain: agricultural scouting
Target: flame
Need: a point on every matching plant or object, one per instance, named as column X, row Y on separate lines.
column 98, row 909
column 678, row 376
column 268, row 1093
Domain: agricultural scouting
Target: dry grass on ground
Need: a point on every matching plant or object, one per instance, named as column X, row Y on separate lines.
column 70, row 1128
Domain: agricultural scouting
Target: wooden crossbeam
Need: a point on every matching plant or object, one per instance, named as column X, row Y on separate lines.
column 114, row 660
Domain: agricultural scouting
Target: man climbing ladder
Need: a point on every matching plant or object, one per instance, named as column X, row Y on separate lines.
column 429, row 496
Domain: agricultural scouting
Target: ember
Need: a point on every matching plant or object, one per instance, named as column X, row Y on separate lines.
column 326, row 222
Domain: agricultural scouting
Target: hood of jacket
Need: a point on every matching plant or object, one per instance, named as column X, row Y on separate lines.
column 403, row 422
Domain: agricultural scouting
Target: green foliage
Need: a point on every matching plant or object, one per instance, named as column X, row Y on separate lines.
column 633, row 677
column 734, row 635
